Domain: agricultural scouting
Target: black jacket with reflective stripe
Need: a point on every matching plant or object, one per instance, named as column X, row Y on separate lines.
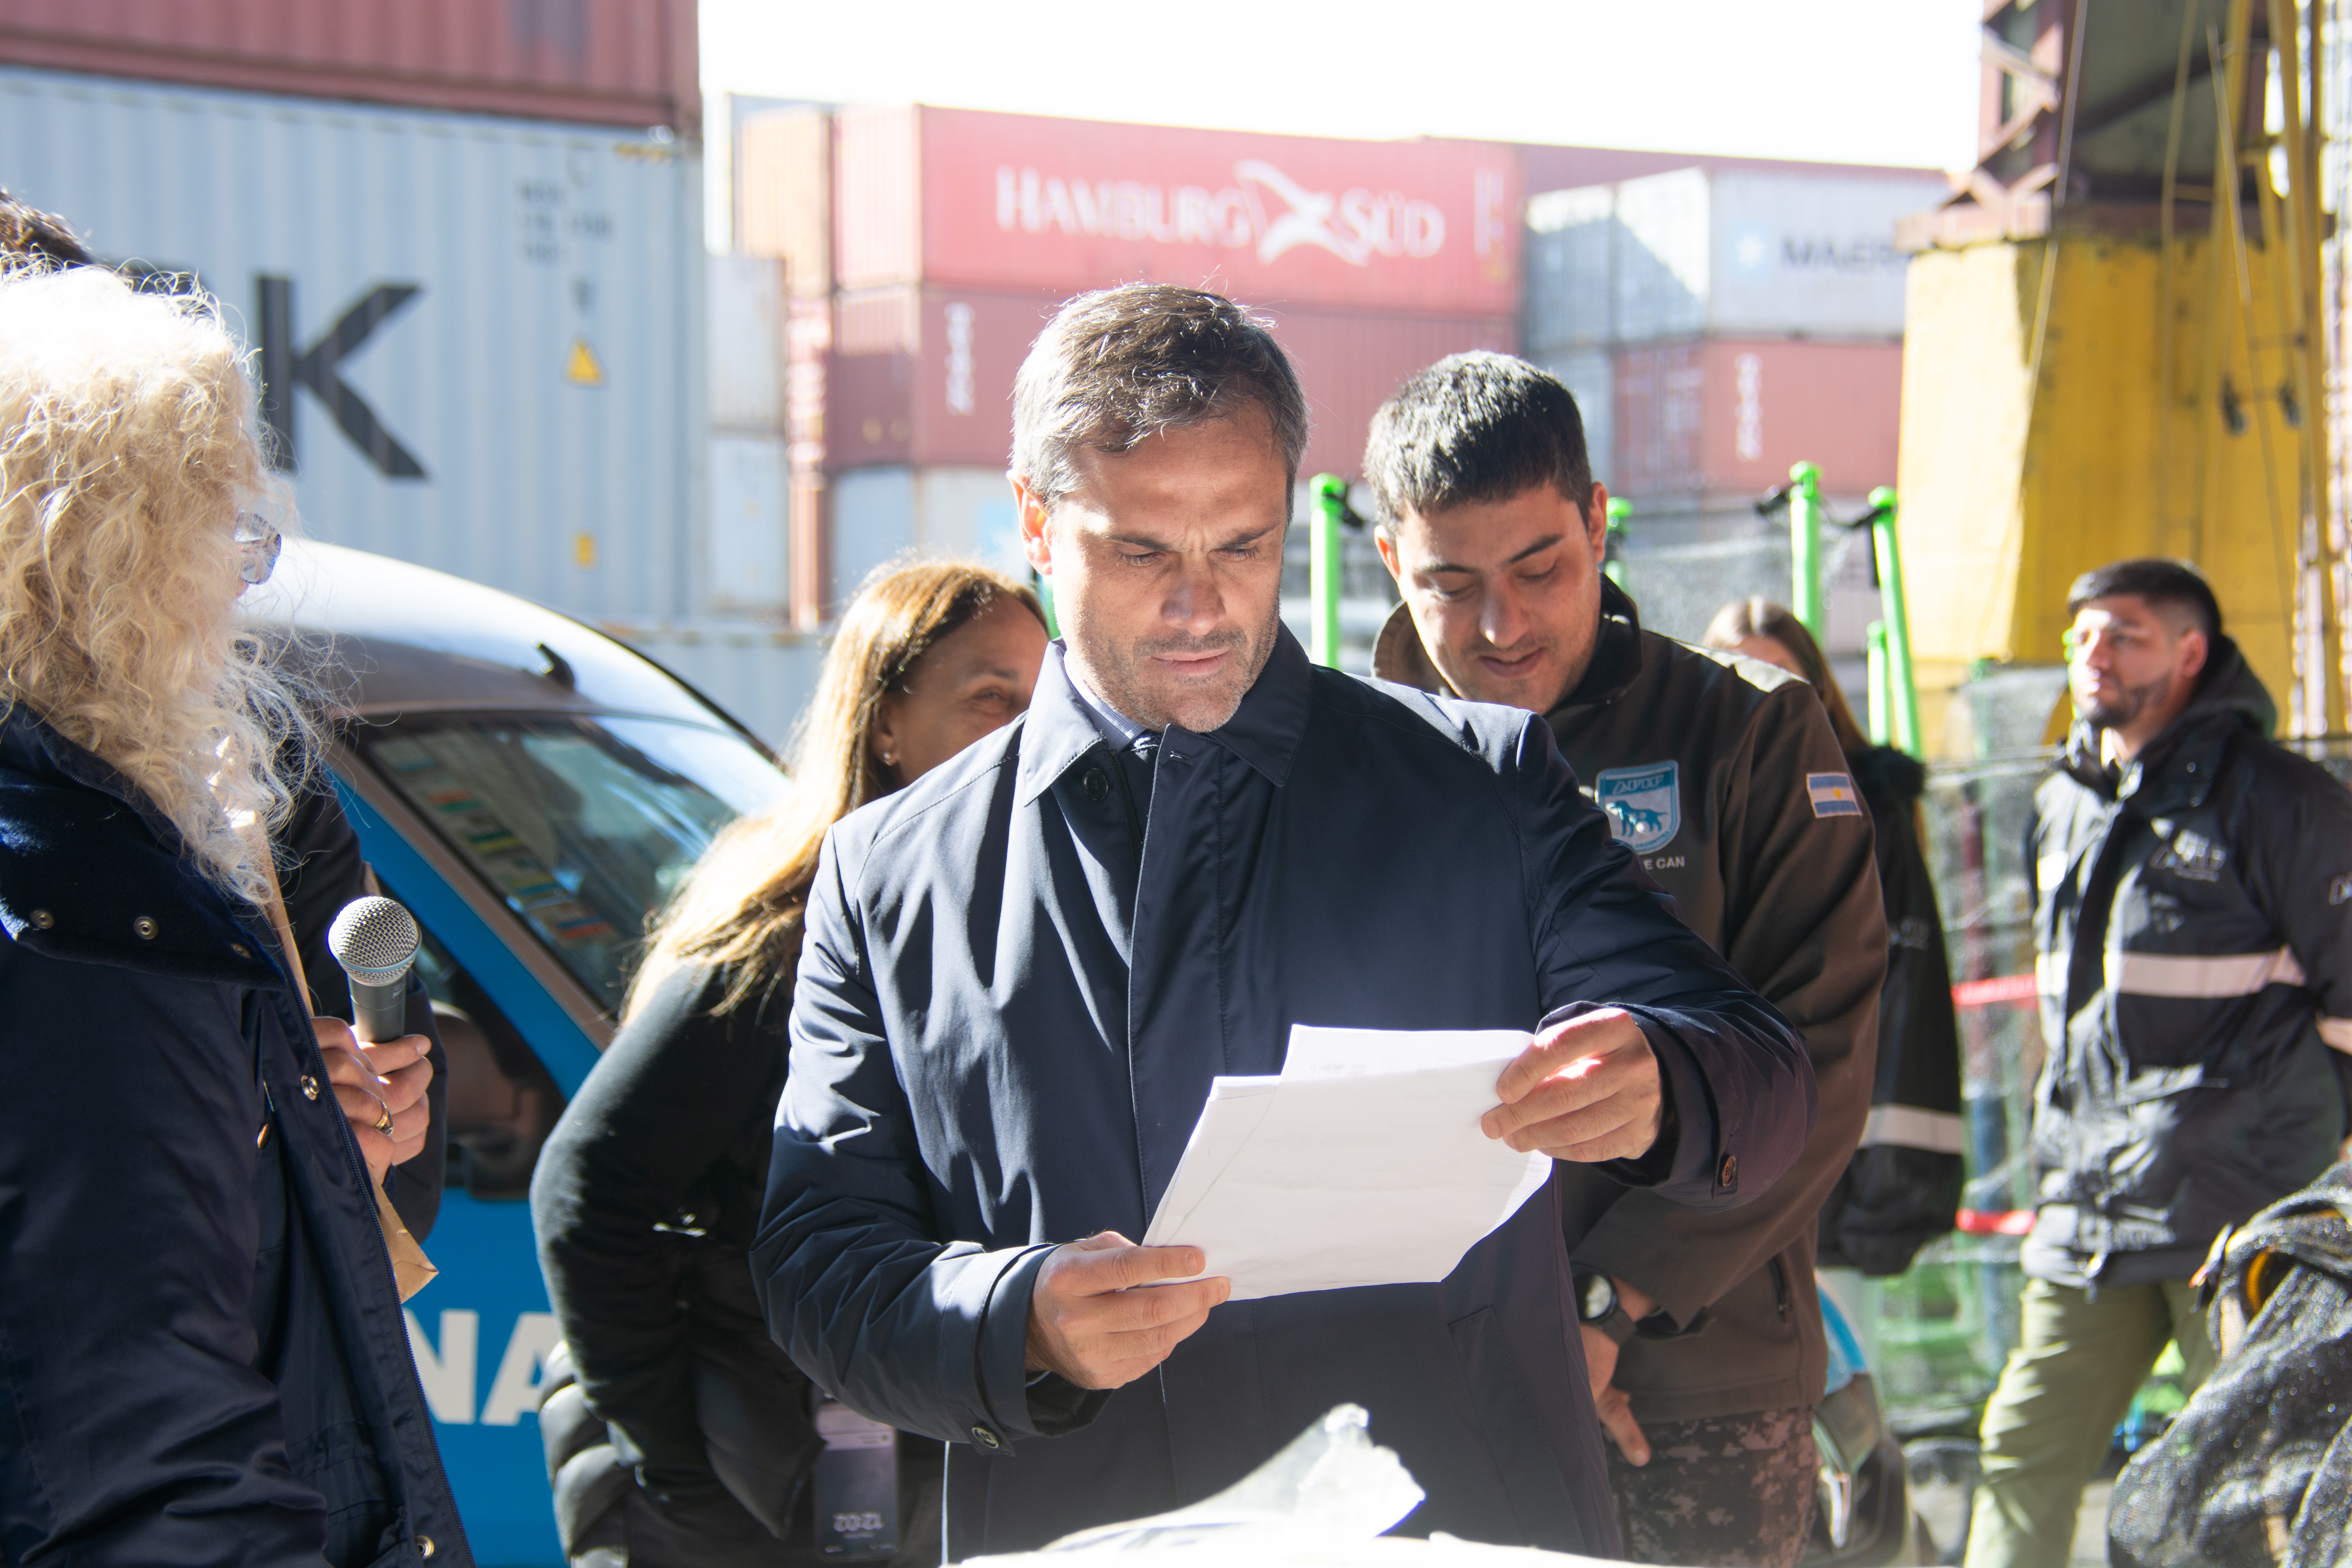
column 2193, row 933
column 1902, row 1188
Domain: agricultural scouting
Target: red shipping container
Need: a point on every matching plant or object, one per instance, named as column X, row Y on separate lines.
column 1350, row 365
column 1016, row 202
column 603, row 62
column 924, row 376
column 1730, row 415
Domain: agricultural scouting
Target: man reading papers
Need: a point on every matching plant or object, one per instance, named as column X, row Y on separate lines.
column 1021, row 974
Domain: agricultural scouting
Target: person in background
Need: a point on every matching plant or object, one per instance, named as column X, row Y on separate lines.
column 1902, row 1188
column 1702, row 1332
column 695, row 1426
column 202, row 1357
column 318, row 854
column 2192, row 923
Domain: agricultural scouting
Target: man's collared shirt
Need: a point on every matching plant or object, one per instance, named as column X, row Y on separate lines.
column 1116, row 728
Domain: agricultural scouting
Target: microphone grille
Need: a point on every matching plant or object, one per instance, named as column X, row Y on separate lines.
column 374, row 939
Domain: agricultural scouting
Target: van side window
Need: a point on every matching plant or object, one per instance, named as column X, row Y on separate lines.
column 502, row 1103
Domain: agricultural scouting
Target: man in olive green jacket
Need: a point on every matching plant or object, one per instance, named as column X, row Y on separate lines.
column 1703, row 1334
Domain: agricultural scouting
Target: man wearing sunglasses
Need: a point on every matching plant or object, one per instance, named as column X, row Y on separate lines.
column 2193, row 934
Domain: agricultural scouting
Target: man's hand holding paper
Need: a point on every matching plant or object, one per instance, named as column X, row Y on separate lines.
column 1586, row 1090
column 1381, row 1157
column 1090, row 1323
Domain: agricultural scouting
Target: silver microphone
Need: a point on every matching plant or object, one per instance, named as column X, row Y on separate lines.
column 376, row 942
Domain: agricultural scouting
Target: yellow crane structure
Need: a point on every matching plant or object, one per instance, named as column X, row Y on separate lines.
column 2120, row 338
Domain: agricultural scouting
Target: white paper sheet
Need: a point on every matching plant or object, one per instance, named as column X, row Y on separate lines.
column 1362, row 1165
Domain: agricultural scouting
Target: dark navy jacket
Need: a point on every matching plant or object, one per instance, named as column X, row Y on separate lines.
column 202, row 1355
column 1007, row 1016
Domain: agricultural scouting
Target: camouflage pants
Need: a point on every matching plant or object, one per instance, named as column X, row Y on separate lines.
column 1735, row 1491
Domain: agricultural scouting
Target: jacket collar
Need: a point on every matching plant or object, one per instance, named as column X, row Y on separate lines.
column 30, row 747
column 1398, row 654
column 90, row 870
column 1265, row 732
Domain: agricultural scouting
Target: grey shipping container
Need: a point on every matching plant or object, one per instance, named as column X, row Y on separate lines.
column 1711, row 252
column 1591, row 377
column 482, row 338
column 745, row 302
column 1570, row 260
column 745, row 552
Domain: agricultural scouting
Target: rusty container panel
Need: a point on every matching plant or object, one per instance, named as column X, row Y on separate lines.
column 1733, row 415
column 924, row 376
column 1350, row 364
column 877, row 197
column 603, row 62
column 783, row 195
column 1017, row 202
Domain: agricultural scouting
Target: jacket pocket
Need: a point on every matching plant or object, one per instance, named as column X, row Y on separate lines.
column 1517, row 1448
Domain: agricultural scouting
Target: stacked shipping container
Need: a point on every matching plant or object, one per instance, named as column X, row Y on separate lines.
column 523, row 175
column 942, row 240
column 463, row 240
column 1716, row 326
column 526, row 394
column 599, row 62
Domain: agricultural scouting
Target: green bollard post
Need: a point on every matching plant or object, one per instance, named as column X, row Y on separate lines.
column 1613, row 563
column 1878, row 684
column 1902, row 683
column 1323, row 569
column 1805, row 547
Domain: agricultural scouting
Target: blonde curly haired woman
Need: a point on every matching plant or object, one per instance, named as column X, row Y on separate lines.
column 687, row 1436
column 202, row 1357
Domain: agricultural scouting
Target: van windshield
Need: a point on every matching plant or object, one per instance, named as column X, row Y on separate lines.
column 583, row 823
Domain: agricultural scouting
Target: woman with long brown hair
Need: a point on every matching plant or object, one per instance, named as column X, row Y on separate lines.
column 1902, row 1189
column 689, row 1433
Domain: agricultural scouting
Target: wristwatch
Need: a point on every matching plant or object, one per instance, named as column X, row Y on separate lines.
column 1597, row 1307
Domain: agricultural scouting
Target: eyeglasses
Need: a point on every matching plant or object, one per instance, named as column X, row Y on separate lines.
column 258, row 544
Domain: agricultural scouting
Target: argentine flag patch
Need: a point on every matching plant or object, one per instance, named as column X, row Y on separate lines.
column 1833, row 794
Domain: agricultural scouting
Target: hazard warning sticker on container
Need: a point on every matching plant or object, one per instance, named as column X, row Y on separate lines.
column 1833, row 794
column 582, row 368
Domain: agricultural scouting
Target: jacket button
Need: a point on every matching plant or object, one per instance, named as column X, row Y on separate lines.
column 424, row 1546
column 309, row 1087
column 1096, row 785
column 42, row 920
column 145, row 928
column 985, row 1438
column 239, row 949
column 1728, row 1176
